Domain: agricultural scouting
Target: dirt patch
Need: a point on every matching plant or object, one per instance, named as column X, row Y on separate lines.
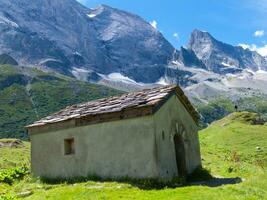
column 11, row 143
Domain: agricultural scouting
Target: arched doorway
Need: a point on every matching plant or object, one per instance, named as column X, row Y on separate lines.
column 180, row 155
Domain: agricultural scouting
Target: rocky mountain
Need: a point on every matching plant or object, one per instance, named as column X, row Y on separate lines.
column 67, row 37
column 112, row 47
column 118, row 49
column 224, row 58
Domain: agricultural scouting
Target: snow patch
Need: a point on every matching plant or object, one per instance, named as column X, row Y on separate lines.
column 95, row 11
column 8, row 21
column 118, row 77
column 77, row 53
column 261, row 72
column 91, row 15
column 227, row 65
column 80, row 74
column 249, row 71
column 162, row 81
column 177, row 62
column 80, row 70
column 49, row 60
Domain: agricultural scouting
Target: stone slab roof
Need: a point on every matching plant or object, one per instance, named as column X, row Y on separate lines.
column 145, row 102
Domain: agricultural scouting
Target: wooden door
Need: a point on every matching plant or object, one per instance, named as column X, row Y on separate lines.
column 180, row 155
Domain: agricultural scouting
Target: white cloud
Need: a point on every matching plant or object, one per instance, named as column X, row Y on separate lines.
column 176, row 36
column 259, row 33
column 154, row 23
column 261, row 50
column 244, row 46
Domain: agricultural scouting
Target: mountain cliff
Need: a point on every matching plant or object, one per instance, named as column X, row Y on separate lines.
column 63, row 35
column 224, row 58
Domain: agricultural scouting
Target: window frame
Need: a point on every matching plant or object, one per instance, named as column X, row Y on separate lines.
column 69, row 146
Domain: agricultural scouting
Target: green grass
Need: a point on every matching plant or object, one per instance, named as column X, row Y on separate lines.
column 28, row 94
column 14, row 157
column 220, row 107
column 244, row 146
column 229, row 149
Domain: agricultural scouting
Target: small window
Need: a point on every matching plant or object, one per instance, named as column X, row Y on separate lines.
column 163, row 135
column 69, row 146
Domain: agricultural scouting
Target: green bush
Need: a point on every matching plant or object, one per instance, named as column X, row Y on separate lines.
column 7, row 198
column 10, row 175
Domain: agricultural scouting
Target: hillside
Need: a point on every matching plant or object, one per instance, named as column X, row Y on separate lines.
column 28, row 94
column 243, row 144
column 222, row 106
column 232, row 147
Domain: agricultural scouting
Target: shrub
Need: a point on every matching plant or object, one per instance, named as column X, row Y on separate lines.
column 7, row 198
column 10, row 175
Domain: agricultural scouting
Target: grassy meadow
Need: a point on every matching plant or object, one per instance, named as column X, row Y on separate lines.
column 232, row 149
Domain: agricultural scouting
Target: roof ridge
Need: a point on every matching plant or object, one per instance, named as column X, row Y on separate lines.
column 149, row 98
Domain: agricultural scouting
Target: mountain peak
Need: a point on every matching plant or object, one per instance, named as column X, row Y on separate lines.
column 198, row 36
column 197, row 31
column 220, row 57
column 104, row 6
column 201, row 42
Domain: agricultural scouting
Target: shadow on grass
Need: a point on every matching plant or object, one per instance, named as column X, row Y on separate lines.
column 200, row 176
column 216, row 182
column 144, row 184
column 203, row 177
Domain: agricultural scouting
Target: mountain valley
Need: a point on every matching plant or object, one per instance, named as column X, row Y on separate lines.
column 116, row 49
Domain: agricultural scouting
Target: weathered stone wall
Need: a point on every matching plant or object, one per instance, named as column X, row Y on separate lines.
column 113, row 149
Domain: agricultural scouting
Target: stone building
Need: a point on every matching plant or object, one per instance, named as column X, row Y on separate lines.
column 148, row 134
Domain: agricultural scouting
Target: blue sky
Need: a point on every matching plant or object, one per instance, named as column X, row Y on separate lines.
column 231, row 21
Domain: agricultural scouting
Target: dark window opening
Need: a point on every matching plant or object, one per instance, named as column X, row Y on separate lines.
column 69, row 146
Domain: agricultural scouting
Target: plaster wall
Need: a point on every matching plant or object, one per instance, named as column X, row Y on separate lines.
column 123, row 148
column 170, row 120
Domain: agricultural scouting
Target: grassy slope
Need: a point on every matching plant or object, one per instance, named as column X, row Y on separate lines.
column 30, row 94
column 12, row 157
column 220, row 107
column 228, row 149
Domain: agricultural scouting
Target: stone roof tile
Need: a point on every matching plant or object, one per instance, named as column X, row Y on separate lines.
column 151, row 98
